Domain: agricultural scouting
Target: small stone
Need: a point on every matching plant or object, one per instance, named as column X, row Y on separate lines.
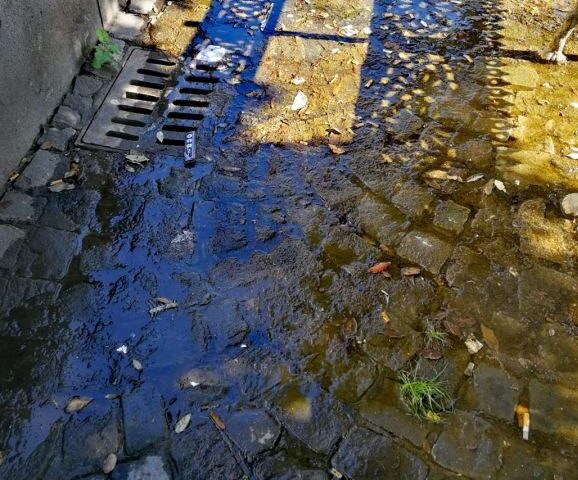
column 473, row 344
column 254, row 431
column 109, row 463
column 44, row 167
column 469, row 371
column 57, row 139
column 80, row 104
column 426, row 250
column 66, row 117
column 17, row 207
column 87, row 85
column 127, row 26
column 144, row 7
column 451, row 216
column 569, row 205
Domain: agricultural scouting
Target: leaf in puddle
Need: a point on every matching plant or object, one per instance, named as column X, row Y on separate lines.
column 299, row 102
column 490, row 337
column 452, row 328
column 385, row 317
column 137, row 365
column 137, row 159
column 391, row 333
column 475, row 178
column 336, row 149
column 217, row 421
column 183, row 423
column 109, row 463
column 379, row 267
column 431, row 354
column 76, row 404
column 488, row 187
column 500, row 185
column 410, row 271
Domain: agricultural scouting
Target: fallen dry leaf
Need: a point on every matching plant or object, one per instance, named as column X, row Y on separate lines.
column 385, row 317
column 217, row 421
column 76, row 404
column 410, row 271
column 490, row 337
column 431, row 354
column 183, row 423
column 379, row 267
column 336, row 149
column 137, row 365
column 109, row 463
column 452, row 328
column 488, row 187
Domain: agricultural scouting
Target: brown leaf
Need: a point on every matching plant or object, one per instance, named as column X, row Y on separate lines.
column 379, row 267
column 410, row 271
column 431, row 354
column 490, row 337
column 466, row 322
column 452, row 328
column 385, row 317
column 336, row 150
column 217, row 421
column 76, row 404
column 391, row 333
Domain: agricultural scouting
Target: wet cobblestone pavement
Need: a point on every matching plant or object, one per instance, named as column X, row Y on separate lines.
column 431, row 139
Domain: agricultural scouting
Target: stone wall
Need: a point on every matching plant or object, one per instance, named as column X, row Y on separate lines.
column 43, row 44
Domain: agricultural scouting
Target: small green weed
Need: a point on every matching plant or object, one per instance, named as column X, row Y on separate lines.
column 424, row 397
column 432, row 336
column 105, row 50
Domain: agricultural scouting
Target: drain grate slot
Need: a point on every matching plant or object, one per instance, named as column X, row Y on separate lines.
column 122, row 136
column 160, row 61
column 144, row 84
column 147, row 97
column 153, row 73
column 202, row 79
column 137, row 110
column 178, row 128
column 141, row 96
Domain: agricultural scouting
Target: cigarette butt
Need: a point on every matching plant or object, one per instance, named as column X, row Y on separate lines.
column 526, row 426
column 521, row 411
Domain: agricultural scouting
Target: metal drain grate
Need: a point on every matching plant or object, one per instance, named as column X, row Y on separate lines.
column 149, row 107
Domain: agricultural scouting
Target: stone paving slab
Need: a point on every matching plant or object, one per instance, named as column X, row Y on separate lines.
column 17, row 207
column 151, row 467
column 18, row 291
column 71, row 210
column 144, row 419
column 365, row 455
column 9, row 238
column 44, row 167
column 253, row 431
column 426, row 250
column 47, row 253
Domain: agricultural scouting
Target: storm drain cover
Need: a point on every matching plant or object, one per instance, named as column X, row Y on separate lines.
column 151, row 106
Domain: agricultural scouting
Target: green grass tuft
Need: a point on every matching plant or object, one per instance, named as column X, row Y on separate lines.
column 433, row 336
column 423, row 397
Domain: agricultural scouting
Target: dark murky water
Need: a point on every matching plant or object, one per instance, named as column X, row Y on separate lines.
column 265, row 246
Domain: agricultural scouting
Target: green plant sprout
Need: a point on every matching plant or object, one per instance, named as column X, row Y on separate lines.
column 424, row 397
column 105, row 50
